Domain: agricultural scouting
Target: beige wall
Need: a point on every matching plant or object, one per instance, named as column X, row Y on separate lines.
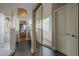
column 1, row 30
column 7, row 26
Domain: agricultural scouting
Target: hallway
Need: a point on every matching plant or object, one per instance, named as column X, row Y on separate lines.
column 42, row 29
column 25, row 50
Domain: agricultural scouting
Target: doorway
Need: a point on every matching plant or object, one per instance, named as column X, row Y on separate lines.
column 22, row 32
column 66, row 29
column 60, row 15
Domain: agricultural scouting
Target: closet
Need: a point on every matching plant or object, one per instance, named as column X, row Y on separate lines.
column 66, row 29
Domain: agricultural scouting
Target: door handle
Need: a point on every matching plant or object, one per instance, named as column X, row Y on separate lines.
column 73, row 36
column 67, row 34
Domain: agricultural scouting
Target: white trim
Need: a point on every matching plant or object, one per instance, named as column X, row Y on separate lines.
column 77, row 31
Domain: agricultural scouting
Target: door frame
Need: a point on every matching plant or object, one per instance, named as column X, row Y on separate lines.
column 64, row 6
column 33, row 41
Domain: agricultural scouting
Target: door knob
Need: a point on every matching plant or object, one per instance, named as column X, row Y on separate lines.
column 67, row 34
column 73, row 36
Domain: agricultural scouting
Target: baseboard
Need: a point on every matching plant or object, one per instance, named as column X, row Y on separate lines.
column 52, row 48
column 12, row 52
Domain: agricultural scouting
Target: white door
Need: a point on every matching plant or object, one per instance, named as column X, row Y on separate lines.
column 67, row 29
column 60, row 17
column 72, row 29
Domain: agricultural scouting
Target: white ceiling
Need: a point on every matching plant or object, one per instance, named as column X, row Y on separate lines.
column 22, row 5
